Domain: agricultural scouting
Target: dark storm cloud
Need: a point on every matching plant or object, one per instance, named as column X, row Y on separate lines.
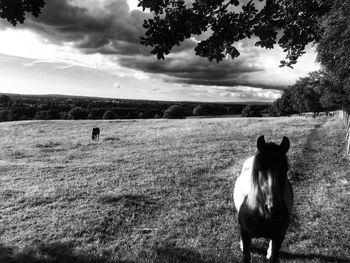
column 115, row 30
column 110, row 30
column 199, row 71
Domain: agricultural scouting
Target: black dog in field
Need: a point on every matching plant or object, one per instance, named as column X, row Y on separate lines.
column 95, row 133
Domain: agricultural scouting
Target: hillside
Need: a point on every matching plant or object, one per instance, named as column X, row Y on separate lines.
column 161, row 190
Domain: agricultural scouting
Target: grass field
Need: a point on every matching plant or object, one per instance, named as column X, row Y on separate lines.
column 161, row 190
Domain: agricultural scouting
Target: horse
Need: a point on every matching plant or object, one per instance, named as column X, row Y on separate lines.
column 95, row 133
column 263, row 198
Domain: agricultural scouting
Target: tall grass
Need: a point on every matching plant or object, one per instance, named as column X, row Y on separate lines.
column 147, row 191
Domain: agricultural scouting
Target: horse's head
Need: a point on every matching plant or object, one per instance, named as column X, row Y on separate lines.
column 270, row 175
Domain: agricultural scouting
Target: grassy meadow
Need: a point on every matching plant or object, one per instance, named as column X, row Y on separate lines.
column 161, row 190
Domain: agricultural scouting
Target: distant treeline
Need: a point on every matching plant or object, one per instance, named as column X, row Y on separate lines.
column 27, row 107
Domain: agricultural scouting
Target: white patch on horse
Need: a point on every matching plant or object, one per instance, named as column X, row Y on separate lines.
column 243, row 183
column 244, row 187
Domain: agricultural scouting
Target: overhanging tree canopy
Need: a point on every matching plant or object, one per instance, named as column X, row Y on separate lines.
column 333, row 50
column 291, row 24
column 14, row 10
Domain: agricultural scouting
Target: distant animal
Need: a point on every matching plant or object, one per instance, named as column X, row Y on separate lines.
column 95, row 133
column 263, row 197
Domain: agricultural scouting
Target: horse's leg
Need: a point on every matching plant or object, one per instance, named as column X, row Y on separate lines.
column 269, row 250
column 246, row 240
column 276, row 245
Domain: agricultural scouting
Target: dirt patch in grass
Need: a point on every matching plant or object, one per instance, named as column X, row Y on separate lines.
column 18, row 154
column 111, row 139
column 125, row 214
column 35, row 201
column 49, row 144
column 10, row 193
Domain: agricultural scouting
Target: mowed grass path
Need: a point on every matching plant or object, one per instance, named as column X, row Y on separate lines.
column 161, row 190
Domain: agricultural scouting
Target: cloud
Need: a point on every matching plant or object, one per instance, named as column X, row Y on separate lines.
column 242, row 93
column 107, row 27
column 110, row 28
column 187, row 68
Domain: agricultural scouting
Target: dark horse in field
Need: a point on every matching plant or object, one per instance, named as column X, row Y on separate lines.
column 95, row 133
column 263, row 197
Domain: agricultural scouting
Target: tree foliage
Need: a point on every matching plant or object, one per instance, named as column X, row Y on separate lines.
column 77, row 113
column 93, row 114
column 174, row 112
column 4, row 115
column 41, row 115
column 109, row 115
column 5, row 101
column 313, row 93
column 14, row 11
column 200, row 110
column 329, row 88
column 333, row 52
column 291, row 24
column 283, row 106
column 251, row 111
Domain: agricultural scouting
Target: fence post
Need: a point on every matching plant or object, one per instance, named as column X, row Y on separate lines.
column 346, row 119
column 348, row 134
column 347, row 122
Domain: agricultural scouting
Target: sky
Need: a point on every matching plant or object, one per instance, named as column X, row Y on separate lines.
column 92, row 48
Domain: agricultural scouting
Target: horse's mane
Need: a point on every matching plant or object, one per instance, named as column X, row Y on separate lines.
column 272, row 158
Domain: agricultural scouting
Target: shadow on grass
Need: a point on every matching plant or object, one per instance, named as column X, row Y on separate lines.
column 126, row 199
column 295, row 256
column 183, row 255
column 49, row 253
column 64, row 253
column 287, row 255
column 306, row 158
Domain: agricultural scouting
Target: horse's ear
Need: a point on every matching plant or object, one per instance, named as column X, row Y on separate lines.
column 261, row 143
column 285, row 144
